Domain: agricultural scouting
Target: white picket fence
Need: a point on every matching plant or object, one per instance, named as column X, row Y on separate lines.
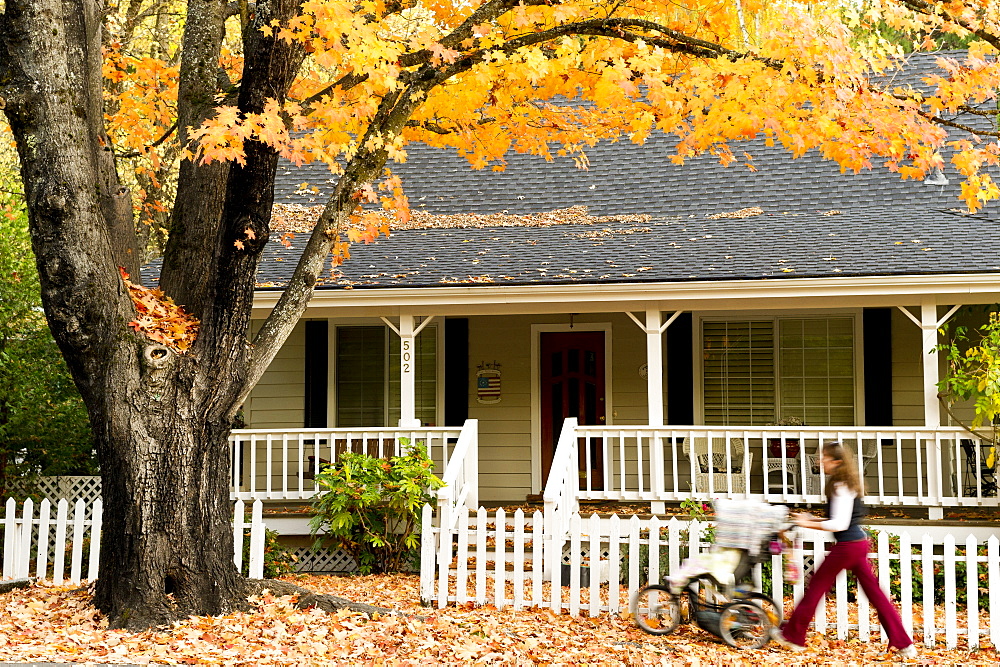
column 39, row 545
column 512, row 561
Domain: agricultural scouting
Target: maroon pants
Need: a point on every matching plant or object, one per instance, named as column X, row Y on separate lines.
column 851, row 556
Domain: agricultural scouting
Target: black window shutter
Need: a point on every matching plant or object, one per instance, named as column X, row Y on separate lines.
column 877, row 333
column 680, row 372
column 456, row 371
column 317, row 369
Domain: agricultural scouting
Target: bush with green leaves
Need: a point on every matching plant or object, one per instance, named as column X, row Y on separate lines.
column 278, row 559
column 370, row 507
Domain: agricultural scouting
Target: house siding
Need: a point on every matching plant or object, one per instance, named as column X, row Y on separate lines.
column 278, row 400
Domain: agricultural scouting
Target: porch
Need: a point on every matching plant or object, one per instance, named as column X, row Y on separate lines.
column 933, row 468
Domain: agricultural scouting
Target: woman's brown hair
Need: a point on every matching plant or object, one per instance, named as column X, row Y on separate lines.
column 846, row 473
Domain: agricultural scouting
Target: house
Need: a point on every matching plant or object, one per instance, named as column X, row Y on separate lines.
column 676, row 319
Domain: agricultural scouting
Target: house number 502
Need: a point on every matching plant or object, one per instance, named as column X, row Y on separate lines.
column 407, row 355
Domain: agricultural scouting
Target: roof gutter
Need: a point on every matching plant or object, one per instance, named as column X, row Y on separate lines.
column 826, row 292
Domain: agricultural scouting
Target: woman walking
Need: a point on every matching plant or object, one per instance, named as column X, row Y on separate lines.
column 845, row 510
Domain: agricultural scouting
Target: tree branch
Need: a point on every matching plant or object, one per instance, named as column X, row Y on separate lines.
column 943, row 399
column 940, row 9
column 958, row 126
column 132, row 154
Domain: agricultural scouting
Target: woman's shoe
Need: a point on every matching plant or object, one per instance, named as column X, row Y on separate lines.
column 908, row 653
column 781, row 641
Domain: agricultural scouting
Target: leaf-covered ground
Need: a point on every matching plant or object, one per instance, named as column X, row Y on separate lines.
column 57, row 623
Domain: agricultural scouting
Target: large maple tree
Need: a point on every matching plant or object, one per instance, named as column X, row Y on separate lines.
column 350, row 83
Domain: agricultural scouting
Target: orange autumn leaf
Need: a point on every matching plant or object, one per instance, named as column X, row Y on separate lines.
column 160, row 319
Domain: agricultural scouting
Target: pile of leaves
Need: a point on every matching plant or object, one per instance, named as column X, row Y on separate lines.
column 294, row 218
column 57, row 623
column 159, row 318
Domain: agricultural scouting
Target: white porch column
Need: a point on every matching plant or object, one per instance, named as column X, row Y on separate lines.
column 929, row 324
column 654, row 367
column 932, row 408
column 654, row 328
column 407, row 375
column 407, row 367
column 928, row 346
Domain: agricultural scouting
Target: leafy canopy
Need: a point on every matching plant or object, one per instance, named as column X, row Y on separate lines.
column 709, row 73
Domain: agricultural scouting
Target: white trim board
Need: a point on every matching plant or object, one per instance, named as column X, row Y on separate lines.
column 852, row 292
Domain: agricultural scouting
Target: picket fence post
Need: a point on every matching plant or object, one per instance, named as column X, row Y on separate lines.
column 59, row 562
column 426, row 556
column 257, row 535
column 972, row 589
column 519, row 559
column 539, row 550
column 906, row 581
column 42, row 563
column 96, row 524
column 499, row 560
column 993, row 579
column 595, row 565
column 9, row 539
column 927, row 571
column 481, row 556
column 614, row 564
column 462, row 579
column 238, row 510
column 950, row 625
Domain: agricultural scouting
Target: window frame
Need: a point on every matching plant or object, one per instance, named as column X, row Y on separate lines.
column 698, row 341
column 336, row 323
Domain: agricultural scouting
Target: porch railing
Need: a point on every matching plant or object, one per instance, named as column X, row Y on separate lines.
column 903, row 466
column 561, row 496
column 282, row 464
column 461, row 475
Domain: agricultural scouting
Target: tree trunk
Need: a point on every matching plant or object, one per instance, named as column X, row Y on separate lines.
column 167, row 548
column 160, row 420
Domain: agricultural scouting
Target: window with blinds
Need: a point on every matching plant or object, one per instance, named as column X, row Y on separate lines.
column 368, row 383
column 816, row 370
column 738, row 371
column 755, row 372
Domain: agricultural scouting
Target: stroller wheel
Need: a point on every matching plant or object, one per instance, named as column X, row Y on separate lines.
column 656, row 610
column 744, row 625
column 773, row 610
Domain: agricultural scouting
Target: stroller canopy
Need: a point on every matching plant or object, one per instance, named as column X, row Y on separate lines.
column 747, row 524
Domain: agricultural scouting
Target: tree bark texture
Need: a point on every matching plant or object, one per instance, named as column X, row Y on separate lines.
column 160, row 420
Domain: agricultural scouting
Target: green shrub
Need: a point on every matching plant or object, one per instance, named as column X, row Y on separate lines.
column 370, row 507
column 278, row 559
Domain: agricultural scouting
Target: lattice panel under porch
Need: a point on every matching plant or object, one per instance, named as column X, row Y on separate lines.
column 323, row 560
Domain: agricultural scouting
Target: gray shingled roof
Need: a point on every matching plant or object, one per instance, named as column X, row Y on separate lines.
column 792, row 239
column 860, row 242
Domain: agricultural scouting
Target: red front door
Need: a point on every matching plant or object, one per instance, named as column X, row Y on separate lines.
column 572, row 385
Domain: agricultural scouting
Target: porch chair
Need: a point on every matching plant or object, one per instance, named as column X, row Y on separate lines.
column 868, row 454
column 727, row 477
column 783, row 482
column 982, row 476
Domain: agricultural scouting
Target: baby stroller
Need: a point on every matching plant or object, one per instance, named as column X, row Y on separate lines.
column 713, row 589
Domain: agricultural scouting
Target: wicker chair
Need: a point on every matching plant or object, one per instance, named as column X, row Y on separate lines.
column 726, row 476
